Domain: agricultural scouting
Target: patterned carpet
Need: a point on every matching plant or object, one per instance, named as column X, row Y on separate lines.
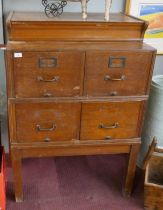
column 75, row 183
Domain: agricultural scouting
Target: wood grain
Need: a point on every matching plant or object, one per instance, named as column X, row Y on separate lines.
column 36, row 26
column 69, row 71
column 133, row 66
column 64, row 116
column 94, row 114
column 153, row 186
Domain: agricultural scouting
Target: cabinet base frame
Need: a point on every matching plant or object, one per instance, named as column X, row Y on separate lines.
column 18, row 152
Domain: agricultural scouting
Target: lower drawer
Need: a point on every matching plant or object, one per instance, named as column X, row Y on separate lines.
column 110, row 120
column 37, row 122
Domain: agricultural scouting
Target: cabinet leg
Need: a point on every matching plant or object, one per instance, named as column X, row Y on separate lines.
column 131, row 170
column 16, row 166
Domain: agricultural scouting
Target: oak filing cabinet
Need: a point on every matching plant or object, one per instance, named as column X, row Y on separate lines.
column 76, row 87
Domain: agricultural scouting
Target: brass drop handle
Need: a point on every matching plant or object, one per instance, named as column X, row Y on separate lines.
column 54, row 79
column 115, row 125
column 109, row 78
column 39, row 128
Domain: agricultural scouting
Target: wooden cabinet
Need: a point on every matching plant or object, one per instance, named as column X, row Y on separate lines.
column 76, row 87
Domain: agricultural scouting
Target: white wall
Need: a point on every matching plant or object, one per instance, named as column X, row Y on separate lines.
column 35, row 5
column 0, row 7
column 158, row 69
column 1, row 53
column 2, row 86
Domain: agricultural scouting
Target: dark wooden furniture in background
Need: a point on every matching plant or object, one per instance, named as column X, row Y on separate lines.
column 76, row 87
column 153, row 184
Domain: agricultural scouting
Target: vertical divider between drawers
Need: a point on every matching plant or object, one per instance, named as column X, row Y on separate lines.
column 81, row 103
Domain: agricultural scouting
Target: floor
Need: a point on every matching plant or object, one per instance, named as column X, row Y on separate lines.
column 75, row 183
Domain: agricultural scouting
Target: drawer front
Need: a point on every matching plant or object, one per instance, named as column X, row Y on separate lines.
column 39, row 122
column 48, row 74
column 117, row 73
column 110, row 120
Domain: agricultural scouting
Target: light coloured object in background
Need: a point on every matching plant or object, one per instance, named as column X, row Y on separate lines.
column 107, row 9
column 154, row 117
column 84, row 8
column 0, row 8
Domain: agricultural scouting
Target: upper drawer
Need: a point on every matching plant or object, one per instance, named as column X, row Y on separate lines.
column 119, row 73
column 48, row 74
column 44, row 122
column 111, row 120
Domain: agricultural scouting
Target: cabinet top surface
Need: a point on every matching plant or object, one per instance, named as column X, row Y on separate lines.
column 36, row 26
column 72, row 17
